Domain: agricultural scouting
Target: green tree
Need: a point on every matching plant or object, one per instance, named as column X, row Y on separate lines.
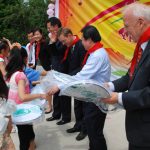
column 17, row 17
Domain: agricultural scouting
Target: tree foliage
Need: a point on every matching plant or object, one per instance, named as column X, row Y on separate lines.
column 18, row 16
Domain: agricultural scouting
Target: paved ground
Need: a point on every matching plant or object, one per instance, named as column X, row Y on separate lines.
column 50, row 136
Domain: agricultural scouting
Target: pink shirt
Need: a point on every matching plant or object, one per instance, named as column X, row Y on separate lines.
column 13, row 86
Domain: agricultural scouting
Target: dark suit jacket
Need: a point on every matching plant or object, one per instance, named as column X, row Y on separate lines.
column 51, row 56
column 75, row 58
column 45, row 57
column 137, row 101
column 58, row 50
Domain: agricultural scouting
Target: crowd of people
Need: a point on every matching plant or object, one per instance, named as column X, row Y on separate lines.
column 84, row 58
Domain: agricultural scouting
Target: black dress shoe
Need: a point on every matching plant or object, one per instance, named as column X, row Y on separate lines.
column 72, row 130
column 51, row 119
column 81, row 136
column 61, row 122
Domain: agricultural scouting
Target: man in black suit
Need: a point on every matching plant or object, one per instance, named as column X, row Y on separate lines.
column 55, row 53
column 73, row 59
column 132, row 91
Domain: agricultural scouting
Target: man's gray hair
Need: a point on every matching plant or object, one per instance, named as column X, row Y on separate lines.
column 138, row 9
column 64, row 31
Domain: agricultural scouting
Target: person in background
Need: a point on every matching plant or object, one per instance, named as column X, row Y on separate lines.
column 132, row 91
column 30, row 47
column 35, row 47
column 36, row 53
column 19, row 92
column 6, row 142
column 96, row 66
column 4, row 51
column 30, row 35
column 30, row 40
column 8, row 42
column 40, row 46
column 41, row 58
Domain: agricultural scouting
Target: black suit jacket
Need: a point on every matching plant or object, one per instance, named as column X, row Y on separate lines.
column 45, row 56
column 51, row 56
column 137, row 101
column 57, row 53
column 75, row 58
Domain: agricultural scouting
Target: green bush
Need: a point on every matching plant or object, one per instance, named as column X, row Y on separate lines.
column 17, row 17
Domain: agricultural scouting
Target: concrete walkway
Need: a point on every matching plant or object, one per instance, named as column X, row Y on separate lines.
column 50, row 136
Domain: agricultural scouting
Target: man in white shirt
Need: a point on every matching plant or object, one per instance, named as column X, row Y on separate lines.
column 30, row 47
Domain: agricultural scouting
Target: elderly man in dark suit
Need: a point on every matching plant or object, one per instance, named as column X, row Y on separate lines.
column 73, row 59
column 132, row 91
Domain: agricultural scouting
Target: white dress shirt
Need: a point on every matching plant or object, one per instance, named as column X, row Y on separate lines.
column 97, row 67
column 31, row 53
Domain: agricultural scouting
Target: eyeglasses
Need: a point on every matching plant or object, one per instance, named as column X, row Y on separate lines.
column 128, row 26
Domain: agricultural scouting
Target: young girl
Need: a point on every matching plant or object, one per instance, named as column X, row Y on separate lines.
column 19, row 93
column 5, row 139
column 4, row 51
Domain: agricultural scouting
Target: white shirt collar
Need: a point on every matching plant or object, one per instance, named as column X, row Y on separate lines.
column 143, row 46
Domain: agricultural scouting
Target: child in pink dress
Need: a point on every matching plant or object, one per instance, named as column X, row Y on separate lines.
column 19, row 92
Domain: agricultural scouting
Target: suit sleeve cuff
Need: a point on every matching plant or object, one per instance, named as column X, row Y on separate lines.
column 120, row 102
column 60, row 86
column 111, row 86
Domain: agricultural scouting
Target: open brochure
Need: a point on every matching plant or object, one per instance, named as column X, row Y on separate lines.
column 84, row 90
column 27, row 114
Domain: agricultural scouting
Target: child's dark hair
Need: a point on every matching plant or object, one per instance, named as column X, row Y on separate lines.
column 3, row 45
column 16, row 61
column 3, row 87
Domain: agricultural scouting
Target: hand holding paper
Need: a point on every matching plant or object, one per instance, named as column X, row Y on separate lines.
column 112, row 100
column 53, row 90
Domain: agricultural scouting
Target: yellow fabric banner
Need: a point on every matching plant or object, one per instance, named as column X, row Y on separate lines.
column 106, row 16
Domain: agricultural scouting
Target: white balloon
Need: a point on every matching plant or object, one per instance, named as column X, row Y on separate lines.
column 51, row 6
column 49, row 16
column 50, row 12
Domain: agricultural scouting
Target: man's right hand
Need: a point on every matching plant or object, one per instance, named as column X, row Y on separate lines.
column 53, row 37
column 53, row 90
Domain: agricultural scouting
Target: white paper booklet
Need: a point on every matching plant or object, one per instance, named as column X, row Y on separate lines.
column 84, row 90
